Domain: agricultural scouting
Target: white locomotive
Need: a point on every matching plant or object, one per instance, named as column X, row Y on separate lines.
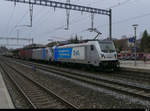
column 97, row 53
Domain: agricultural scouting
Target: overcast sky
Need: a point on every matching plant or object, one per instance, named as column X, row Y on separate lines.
column 50, row 24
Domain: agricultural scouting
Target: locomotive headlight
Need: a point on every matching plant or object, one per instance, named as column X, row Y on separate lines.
column 102, row 55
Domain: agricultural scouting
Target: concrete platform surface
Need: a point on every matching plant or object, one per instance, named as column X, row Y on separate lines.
column 140, row 65
column 5, row 100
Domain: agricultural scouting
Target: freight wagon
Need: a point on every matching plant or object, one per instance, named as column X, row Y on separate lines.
column 44, row 54
column 25, row 54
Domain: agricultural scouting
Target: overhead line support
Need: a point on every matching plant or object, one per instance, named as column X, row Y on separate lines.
column 31, row 13
column 12, row 45
column 70, row 7
column 110, row 24
column 17, row 39
column 64, row 6
column 14, row 38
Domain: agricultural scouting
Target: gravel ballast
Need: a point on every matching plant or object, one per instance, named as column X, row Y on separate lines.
column 81, row 95
column 17, row 98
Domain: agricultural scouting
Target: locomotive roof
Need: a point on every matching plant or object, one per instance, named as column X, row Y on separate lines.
column 86, row 42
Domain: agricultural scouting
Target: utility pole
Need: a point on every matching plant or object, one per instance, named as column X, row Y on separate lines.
column 92, row 21
column 110, row 24
column 32, row 41
column 31, row 14
column 17, row 35
column 135, row 27
column 67, row 15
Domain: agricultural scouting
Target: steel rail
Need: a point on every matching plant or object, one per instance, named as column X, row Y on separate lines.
column 132, row 75
column 44, row 88
column 18, row 87
column 109, row 84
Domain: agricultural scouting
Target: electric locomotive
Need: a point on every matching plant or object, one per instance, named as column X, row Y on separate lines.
column 97, row 53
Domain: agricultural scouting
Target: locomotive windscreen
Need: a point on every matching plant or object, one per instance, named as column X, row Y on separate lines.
column 107, row 47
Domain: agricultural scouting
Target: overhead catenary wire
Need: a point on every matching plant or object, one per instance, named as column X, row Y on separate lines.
column 119, row 4
column 9, row 20
column 132, row 18
column 129, row 19
column 113, row 7
column 31, row 15
column 13, row 28
column 67, row 26
column 122, row 21
column 75, row 21
column 62, row 26
column 26, row 25
column 39, row 16
column 37, row 22
column 68, row 14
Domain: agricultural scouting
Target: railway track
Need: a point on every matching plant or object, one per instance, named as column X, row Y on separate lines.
column 37, row 95
column 125, row 88
column 138, row 76
column 133, row 76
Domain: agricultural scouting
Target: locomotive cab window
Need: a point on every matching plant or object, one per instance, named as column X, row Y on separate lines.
column 107, row 47
column 92, row 47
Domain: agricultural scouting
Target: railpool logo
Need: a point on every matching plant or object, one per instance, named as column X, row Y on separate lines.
column 76, row 53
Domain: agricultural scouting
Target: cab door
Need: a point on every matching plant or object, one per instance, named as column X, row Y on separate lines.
column 93, row 56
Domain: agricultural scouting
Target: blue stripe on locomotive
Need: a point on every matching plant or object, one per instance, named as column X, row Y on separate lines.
column 62, row 53
column 44, row 55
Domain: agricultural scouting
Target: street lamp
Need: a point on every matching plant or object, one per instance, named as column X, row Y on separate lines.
column 135, row 26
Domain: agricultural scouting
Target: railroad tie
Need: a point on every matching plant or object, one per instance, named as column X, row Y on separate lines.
column 147, row 94
column 140, row 92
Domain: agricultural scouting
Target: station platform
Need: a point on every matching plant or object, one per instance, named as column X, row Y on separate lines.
column 140, row 65
column 5, row 100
